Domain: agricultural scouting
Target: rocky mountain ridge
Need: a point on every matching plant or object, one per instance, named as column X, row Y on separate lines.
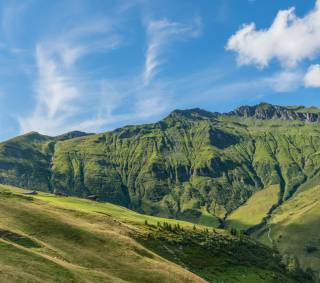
column 267, row 111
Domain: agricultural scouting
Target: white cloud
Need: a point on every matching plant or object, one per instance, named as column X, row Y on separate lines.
column 150, row 106
column 55, row 94
column 62, row 100
column 66, row 99
column 285, row 81
column 71, row 52
column 76, row 43
column 159, row 35
column 290, row 39
column 312, row 77
column 127, row 102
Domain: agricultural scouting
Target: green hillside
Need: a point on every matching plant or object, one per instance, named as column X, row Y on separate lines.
column 294, row 226
column 255, row 209
column 26, row 160
column 234, row 170
column 46, row 238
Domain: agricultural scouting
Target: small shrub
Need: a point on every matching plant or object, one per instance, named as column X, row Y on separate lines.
column 311, row 249
column 234, row 232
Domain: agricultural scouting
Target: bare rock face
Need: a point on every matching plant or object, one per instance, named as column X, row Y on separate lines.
column 265, row 111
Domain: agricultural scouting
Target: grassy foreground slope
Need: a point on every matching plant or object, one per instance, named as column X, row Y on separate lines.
column 294, row 227
column 65, row 239
column 55, row 242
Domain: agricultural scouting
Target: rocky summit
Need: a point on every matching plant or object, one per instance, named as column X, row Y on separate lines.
column 268, row 111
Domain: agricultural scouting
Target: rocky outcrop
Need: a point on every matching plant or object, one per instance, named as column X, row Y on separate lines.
column 267, row 111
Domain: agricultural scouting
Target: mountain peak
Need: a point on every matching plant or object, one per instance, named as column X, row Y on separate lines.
column 266, row 111
column 30, row 137
column 194, row 113
column 71, row 135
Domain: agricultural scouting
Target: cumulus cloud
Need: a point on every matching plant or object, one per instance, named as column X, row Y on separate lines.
column 290, row 39
column 159, row 35
column 312, row 77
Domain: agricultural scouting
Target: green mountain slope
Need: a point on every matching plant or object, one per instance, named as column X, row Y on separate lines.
column 189, row 165
column 294, row 226
column 223, row 170
column 26, row 160
column 45, row 238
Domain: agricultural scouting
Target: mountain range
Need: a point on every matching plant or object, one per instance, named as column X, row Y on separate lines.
column 255, row 169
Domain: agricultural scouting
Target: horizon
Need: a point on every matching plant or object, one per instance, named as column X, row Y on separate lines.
column 160, row 119
column 94, row 67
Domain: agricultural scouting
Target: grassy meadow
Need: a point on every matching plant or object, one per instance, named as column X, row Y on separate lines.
column 47, row 238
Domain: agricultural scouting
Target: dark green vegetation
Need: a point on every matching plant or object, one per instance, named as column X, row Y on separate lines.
column 254, row 169
column 25, row 160
column 46, row 238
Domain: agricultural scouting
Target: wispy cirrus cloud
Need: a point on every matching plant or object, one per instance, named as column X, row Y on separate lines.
column 126, row 103
column 138, row 93
column 65, row 99
column 56, row 95
column 160, row 34
column 61, row 97
column 205, row 87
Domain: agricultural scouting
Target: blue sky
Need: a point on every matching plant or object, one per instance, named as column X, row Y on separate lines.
column 98, row 65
